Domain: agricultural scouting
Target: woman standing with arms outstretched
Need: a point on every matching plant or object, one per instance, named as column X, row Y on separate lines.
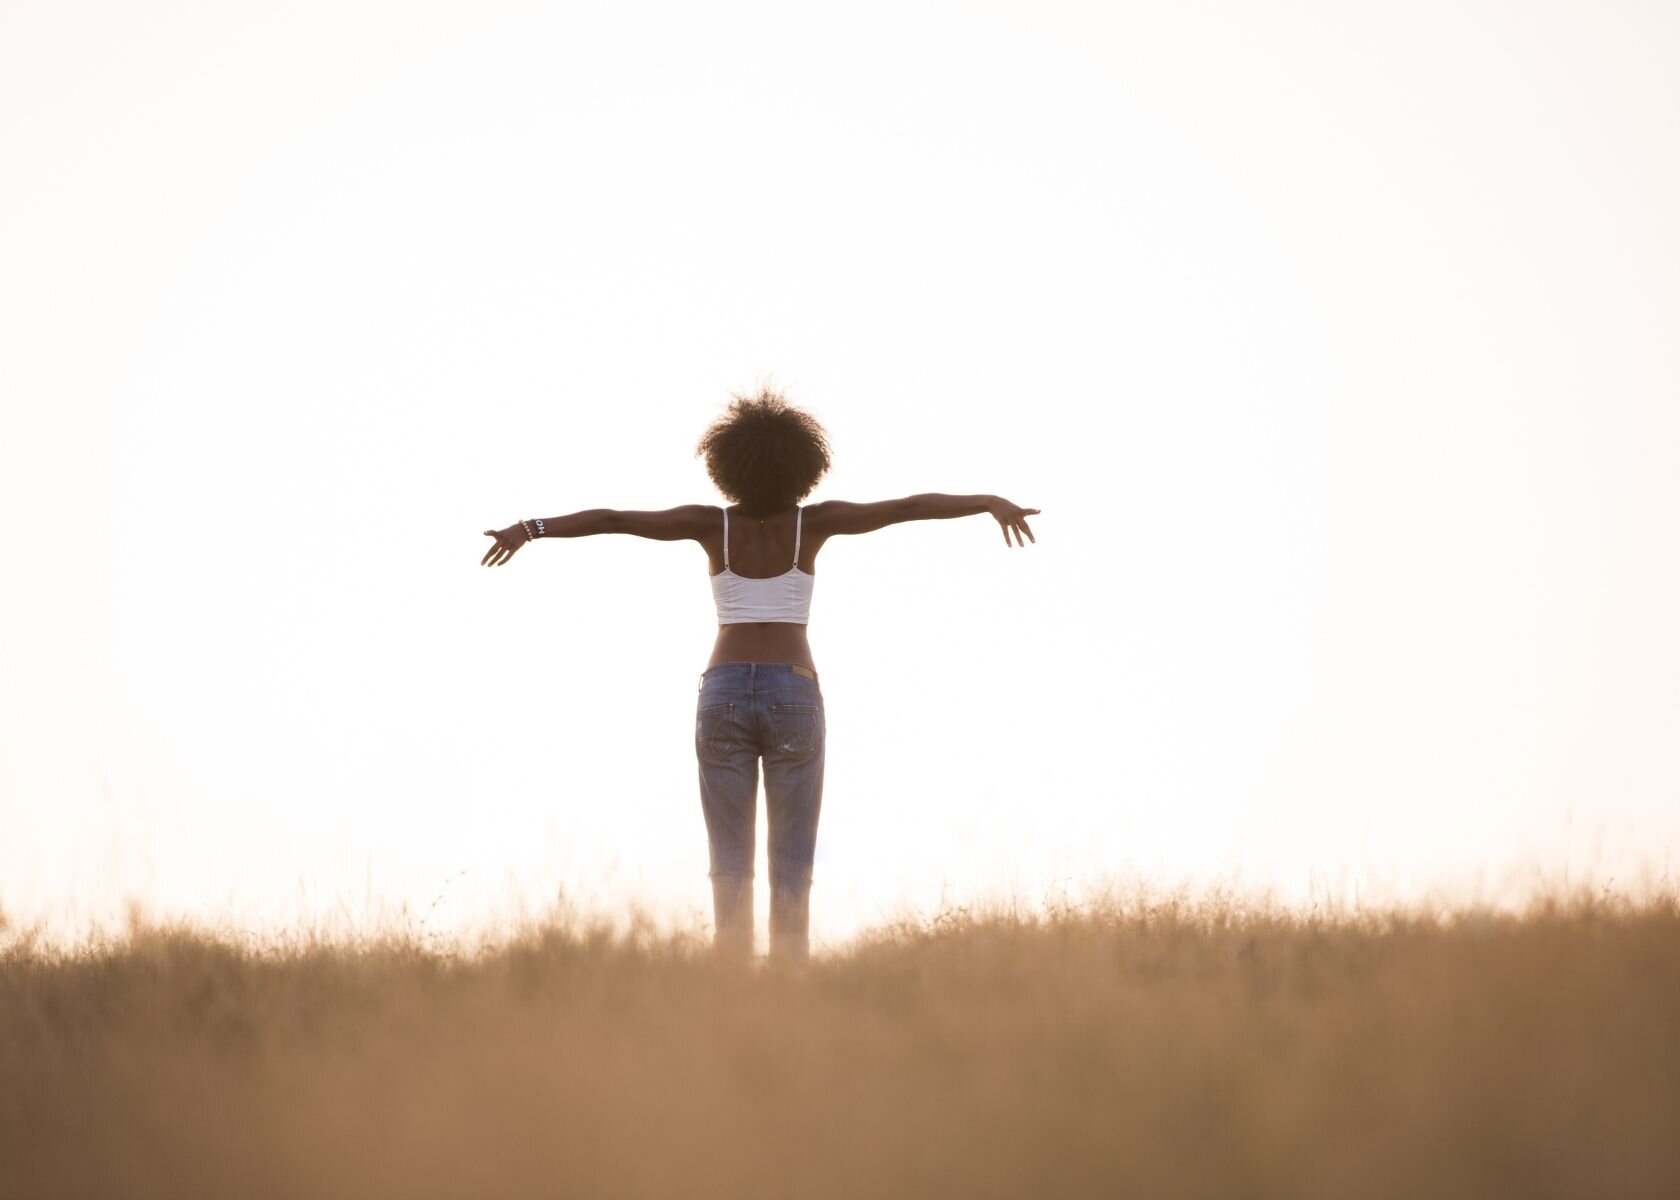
column 759, row 697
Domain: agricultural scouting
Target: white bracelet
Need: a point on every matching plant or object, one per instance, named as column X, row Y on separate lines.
column 526, row 526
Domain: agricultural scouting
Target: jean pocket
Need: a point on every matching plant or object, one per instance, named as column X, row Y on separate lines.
column 796, row 729
column 714, row 728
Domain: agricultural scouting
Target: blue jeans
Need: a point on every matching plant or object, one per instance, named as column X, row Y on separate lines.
column 749, row 711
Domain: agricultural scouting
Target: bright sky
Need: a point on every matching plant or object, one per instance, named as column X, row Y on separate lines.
column 1337, row 344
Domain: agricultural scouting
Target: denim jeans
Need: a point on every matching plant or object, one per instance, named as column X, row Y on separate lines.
column 748, row 712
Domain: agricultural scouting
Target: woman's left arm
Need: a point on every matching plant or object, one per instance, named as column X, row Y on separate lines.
column 687, row 522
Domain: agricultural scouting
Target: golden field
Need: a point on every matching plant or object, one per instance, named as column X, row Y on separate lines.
column 1133, row 1048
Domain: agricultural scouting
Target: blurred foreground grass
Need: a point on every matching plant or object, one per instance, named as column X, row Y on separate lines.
column 1137, row 1048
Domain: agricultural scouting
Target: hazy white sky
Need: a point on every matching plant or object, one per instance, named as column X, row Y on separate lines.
column 1336, row 342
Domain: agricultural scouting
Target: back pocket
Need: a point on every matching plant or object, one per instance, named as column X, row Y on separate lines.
column 714, row 731
column 796, row 730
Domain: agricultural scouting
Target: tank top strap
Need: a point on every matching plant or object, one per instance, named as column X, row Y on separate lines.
column 726, row 537
column 798, row 521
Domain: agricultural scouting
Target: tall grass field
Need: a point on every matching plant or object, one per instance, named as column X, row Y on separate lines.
column 1138, row 1048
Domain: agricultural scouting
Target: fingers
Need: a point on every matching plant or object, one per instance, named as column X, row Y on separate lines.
column 498, row 554
column 1017, row 525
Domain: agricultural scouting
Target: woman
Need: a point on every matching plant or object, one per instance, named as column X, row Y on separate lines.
column 759, row 697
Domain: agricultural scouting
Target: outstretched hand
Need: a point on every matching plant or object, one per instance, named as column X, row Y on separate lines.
column 507, row 541
column 1013, row 519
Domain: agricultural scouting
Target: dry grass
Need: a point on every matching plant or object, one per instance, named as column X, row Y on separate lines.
column 1145, row 1049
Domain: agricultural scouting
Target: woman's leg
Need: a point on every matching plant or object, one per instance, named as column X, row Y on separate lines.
column 794, row 755
column 729, row 798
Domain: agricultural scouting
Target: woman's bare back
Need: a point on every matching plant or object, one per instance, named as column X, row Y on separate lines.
column 762, row 549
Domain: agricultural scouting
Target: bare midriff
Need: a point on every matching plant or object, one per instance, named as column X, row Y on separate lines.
column 762, row 641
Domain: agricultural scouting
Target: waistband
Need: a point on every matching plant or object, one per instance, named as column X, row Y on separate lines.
column 753, row 672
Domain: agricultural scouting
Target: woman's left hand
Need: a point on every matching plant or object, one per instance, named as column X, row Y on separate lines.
column 507, row 541
column 1013, row 518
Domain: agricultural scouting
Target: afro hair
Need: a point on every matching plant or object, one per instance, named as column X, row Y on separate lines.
column 764, row 454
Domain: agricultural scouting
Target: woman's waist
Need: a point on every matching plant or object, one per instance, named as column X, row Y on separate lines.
column 765, row 643
column 757, row 675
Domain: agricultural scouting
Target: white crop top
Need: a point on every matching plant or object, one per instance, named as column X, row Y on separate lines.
column 785, row 598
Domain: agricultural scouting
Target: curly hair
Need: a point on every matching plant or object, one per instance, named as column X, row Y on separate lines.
column 763, row 453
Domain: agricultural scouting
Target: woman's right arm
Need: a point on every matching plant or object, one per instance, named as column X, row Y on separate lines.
column 840, row 516
column 688, row 522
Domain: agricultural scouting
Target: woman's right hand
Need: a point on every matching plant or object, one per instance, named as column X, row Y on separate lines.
column 507, row 541
column 1013, row 519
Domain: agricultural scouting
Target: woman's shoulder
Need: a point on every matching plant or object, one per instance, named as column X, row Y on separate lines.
column 845, row 516
column 823, row 512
